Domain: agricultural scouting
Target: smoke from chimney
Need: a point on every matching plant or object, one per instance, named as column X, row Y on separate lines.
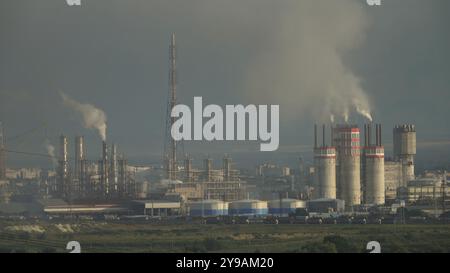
column 304, row 63
column 92, row 117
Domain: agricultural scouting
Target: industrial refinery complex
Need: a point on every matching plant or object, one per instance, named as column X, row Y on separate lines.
column 348, row 175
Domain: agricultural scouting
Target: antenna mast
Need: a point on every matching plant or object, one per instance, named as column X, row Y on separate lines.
column 170, row 147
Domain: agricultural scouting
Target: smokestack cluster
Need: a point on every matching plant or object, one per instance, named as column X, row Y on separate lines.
column 368, row 135
column 324, row 139
column 110, row 181
column 325, row 167
column 372, row 176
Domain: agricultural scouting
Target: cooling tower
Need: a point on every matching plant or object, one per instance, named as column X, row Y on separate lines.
column 347, row 143
column 405, row 149
column 373, row 161
column 325, row 169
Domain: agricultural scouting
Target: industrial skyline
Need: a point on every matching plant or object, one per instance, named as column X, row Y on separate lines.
column 208, row 126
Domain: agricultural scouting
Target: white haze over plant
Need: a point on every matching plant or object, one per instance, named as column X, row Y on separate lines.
column 302, row 66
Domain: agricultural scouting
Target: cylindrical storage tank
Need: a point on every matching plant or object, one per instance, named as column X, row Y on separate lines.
column 374, row 188
column 285, row 206
column 142, row 189
column 207, row 208
column 325, row 174
column 248, row 208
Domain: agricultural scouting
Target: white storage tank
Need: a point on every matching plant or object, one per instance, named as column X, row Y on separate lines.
column 142, row 189
column 207, row 208
column 248, row 208
column 285, row 206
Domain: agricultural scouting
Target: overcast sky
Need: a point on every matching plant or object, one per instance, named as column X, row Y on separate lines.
column 312, row 57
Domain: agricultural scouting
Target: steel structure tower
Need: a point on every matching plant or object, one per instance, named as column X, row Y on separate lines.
column 170, row 145
column 2, row 153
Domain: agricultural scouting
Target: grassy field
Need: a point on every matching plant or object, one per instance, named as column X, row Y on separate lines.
column 39, row 236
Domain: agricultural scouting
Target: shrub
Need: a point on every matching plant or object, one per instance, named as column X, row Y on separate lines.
column 319, row 247
column 342, row 244
column 212, row 244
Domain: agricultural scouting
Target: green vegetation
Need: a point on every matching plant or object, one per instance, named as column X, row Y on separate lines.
column 39, row 236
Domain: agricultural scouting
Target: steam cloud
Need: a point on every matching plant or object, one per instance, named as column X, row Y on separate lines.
column 302, row 66
column 51, row 152
column 92, row 117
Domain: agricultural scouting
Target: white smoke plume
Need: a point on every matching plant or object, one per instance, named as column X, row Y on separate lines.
column 303, row 65
column 51, row 152
column 92, row 117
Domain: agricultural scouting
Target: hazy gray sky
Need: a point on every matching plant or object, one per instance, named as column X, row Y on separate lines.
column 312, row 57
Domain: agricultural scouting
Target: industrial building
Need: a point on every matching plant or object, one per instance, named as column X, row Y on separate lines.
column 271, row 170
column 209, row 183
column 393, row 177
column 156, row 207
column 400, row 169
column 207, row 208
column 325, row 205
column 433, row 191
column 248, row 208
column 285, row 206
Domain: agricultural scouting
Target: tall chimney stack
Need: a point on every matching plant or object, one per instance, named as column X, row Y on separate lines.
column 315, row 135
column 323, row 135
